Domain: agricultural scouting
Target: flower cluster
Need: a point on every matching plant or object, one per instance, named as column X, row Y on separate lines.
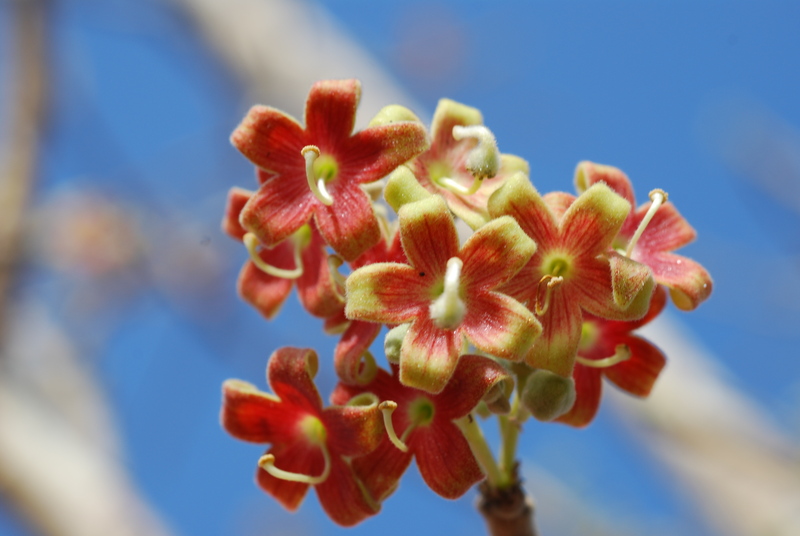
column 518, row 312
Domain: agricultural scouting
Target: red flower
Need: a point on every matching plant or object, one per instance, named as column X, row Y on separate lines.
column 318, row 171
column 425, row 422
column 689, row 283
column 301, row 259
column 571, row 270
column 446, row 293
column 445, row 164
column 310, row 444
column 602, row 339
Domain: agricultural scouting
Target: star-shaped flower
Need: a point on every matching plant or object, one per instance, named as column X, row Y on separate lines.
column 310, row 445
column 425, row 424
column 572, row 270
column 447, row 294
column 689, row 283
column 266, row 280
column 318, row 170
column 446, row 168
column 609, row 348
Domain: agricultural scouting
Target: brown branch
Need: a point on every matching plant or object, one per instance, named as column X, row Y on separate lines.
column 507, row 511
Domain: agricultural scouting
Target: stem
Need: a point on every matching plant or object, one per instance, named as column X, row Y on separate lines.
column 507, row 511
column 510, row 426
column 474, row 436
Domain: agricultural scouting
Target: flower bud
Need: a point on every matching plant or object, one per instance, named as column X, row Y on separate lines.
column 548, row 395
column 393, row 342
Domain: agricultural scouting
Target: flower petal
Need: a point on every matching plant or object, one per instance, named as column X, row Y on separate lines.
column 381, row 470
column 271, row 140
column 588, row 390
column 318, row 291
column 638, row 374
column 558, row 203
column 520, row 200
column 252, row 415
column 349, row 226
column 342, row 498
column 448, row 114
column 591, row 223
column 237, row 198
column 377, row 151
column 331, row 111
column 495, row 253
column 500, row 325
column 588, row 173
column 280, row 207
column 387, row 292
column 356, row 428
column 265, row 292
column 290, row 372
column 689, row 283
column 354, row 343
column 296, row 458
column 428, row 234
column 555, row 349
column 632, row 285
column 474, row 377
column 429, row 356
column 445, row 460
column 667, row 231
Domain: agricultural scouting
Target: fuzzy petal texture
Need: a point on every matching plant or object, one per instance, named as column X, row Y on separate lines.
column 317, row 289
column 428, row 235
column 520, row 200
column 589, row 173
column 445, row 461
column 556, row 348
column 349, row 225
column 500, row 325
column 495, row 253
column 390, row 293
column 342, row 498
column 591, row 223
column 429, row 356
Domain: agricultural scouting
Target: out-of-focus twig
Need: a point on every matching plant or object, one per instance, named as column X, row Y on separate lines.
column 740, row 471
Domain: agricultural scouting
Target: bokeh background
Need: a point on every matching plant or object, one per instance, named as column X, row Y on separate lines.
column 119, row 319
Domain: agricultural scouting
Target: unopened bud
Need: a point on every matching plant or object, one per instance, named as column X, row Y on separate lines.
column 496, row 398
column 548, row 395
column 394, row 341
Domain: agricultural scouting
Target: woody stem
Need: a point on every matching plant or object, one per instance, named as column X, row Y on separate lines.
column 507, row 511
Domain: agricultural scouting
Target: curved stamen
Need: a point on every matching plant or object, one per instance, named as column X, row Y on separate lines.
column 251, row 243
column 622, row 353
column 267, row 463
column 484, row 160
column 367, row 372
column 387, row 408
column 658, row 198
column 454, row 187
column 448, row 310
column 317, row 186
column 551, row 281
column 334, row 262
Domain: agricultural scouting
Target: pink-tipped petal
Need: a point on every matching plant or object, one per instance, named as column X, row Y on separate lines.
column 429, row 356
column 428, row 235
column 500, row 326
column 689, row 283
column 495, row 253
column 389, row 293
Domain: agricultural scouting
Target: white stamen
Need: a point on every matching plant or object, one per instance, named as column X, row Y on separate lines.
column 317, row 186
column 387, row 408
column 448, row 310
column 622, row 353
column 251, row 243
column 658, row 198
column 267, row 463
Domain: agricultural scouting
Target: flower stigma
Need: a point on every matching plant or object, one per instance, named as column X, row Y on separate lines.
column 658, row 198
column 622, row 353
column 319, row 170
column 252, row 243
column 448, row 310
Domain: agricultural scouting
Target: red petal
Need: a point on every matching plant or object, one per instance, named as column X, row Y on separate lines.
column 555, row 349
column 342, row 498
column 445, row 460
column 354, row 343
column 349, row 226
column 318, row 291
column 638, row 374
column 251, row 415
column 354, row 430
column 519, row 199
column 474, row 377
column 589, row 173
column 271, row 140
column 591, row 223
column 375, row 152
column 588, row 389
column 494, row 254
column 429, row 356
column 428, row 234
column 237, row 198
column 690, row 284
column 381, row 470
column 558, row 203
column 499, row 325
column 297, row 458
column 390, row 293
column 667, row 231
column 281, row 206
column 265, row 292
column 331, row 112
column 290, row 372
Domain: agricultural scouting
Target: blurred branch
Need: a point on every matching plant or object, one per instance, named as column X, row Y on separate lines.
column 27, row 113
column 740, row 471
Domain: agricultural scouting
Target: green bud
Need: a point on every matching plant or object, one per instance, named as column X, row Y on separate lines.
column 394, row 341
column 548, row 395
